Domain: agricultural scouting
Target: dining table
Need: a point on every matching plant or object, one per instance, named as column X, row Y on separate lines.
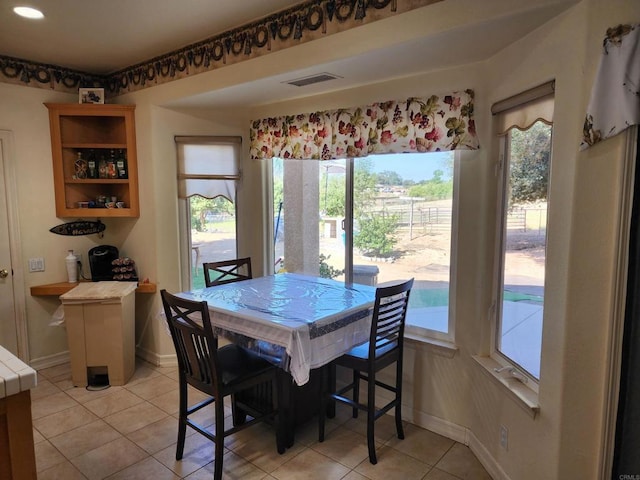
column 299, row 322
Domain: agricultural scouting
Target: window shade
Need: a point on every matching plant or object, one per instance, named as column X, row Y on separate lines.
column 208, row 166
column 524, row 109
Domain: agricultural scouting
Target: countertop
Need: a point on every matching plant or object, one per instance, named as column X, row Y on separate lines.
column 98, row 291
column 15, row 375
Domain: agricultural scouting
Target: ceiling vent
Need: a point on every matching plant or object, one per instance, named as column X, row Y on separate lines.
column 320, row 77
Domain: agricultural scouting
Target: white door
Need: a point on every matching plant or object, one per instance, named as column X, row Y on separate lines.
column 8, row 330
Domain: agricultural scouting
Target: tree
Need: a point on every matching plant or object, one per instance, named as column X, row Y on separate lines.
column 201, row 206
column 529, row 163
column 376, row 234
column 389, row 178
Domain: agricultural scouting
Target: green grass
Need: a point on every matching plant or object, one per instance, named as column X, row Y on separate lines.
column 439, row 297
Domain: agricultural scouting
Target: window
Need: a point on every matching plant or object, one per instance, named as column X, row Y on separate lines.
column 525, row 159
column 207, row 174
column 400, row 225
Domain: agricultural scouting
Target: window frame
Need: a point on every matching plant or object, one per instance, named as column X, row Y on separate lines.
column 416, row 332
column 184, row 210
column 502, row 172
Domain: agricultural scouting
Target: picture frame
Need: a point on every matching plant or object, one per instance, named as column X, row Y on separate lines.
column 91, row 95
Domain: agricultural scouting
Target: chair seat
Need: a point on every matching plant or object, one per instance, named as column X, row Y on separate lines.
column 362, row 351
column 237, row 363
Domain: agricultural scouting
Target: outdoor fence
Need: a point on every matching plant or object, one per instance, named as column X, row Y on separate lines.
column 418, row 220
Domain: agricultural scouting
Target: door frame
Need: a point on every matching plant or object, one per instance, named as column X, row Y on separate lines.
column 616, row 331
column 15, row 250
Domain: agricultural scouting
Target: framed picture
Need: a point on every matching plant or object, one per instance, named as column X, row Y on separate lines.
column 91, row 95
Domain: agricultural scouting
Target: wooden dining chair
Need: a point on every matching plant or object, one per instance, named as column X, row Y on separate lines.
column 385, row 347
column 227, row 271
column 217, row 372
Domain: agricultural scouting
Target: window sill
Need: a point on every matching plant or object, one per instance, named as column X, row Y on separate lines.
column 438, row 347
column 523, row 395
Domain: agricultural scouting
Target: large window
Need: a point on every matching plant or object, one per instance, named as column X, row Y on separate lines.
column 372, row 220
column 207, row 172
column 525, row 158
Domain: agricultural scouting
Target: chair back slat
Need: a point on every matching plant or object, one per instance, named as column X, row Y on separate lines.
column 227, row 271
column 389, row 314
column 196, row 346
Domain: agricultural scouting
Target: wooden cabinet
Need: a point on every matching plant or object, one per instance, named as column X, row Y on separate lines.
column 84, row 133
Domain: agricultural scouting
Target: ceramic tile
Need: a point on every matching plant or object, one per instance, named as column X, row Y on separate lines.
column 51, row 404
column 158, row 435
column 422, row 444
column 437, row 474
column 134, row 418
column 83, row 395
column 344, row 446
column 47, row 456
column 83, row 439
column 310, row 465
column 153, row 387
column 57, row 373
column 63, row 471
column 109, row 404
column 462, row 463
column 257, row 444
column 43, row 389
column 63, row 421
column 234, row 467
column 149, row 468
column 393, row 464
column 109, row 458
column 131, row 432
column 198, row 451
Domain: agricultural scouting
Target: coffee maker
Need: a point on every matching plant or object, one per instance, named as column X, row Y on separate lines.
column 100, row 261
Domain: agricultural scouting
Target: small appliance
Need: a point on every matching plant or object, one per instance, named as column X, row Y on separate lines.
column 100, row 259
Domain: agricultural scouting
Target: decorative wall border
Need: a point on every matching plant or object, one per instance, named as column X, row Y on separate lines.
column 305, row 22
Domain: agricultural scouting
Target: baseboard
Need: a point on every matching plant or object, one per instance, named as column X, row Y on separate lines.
column 485, row 458
column 155, row 359
column 437, row 425
column 461, row 435
column 50, row 360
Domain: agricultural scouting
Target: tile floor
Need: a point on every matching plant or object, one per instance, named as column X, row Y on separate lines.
column 129, row 432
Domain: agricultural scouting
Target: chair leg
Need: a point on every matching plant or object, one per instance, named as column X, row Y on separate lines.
column 398, row 406
column 356, row 391
column 182, row 420
column 371, row 417
column 219, row 448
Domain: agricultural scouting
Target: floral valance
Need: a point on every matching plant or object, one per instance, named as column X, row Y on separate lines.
column 615, row 98
column 434, row 124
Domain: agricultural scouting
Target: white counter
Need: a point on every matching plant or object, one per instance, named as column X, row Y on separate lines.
column 15, row 375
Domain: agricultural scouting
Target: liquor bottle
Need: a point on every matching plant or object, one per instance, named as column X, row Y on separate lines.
column 121, row 164
column 102, row 167
column 111, row 166
column 91, row 160
column 80, row 167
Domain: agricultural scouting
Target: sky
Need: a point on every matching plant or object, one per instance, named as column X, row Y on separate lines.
column 413, row 166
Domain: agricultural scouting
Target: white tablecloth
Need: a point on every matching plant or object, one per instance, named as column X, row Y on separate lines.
column 315, row 319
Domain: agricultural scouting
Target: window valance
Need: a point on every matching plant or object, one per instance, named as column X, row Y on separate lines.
column 521, row 111
column 208, row 166
column 431, row 124
column 615, row 98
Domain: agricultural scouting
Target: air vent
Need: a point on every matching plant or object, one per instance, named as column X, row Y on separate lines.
column 320, row 77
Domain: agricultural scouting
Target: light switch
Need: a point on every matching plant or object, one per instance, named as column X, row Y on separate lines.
column 36, row 264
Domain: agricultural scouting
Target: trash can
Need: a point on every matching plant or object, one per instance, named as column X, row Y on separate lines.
column 365, row 274
column 100, row 323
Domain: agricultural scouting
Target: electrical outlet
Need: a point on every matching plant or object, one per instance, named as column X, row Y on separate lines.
column 78, row 256
column 36, row 264
column 504, row 437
